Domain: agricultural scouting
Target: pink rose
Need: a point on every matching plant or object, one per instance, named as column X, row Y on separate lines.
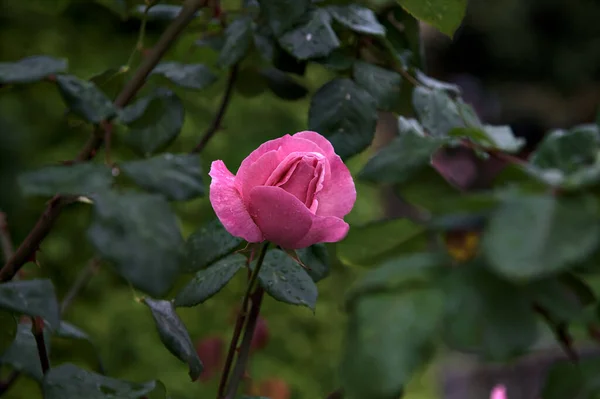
column 293, row 191
column 499, row 392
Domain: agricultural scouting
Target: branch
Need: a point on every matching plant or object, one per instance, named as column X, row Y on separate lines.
column 30, row 245
column 216, row 123
column 37, row 328
column 82, row 280
column 561, row 332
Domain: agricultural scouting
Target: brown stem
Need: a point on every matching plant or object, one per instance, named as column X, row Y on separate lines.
column 216, row 122
column 244, row 352
column 29, row 246
column 5, row 240
column 239, row 324
column 560, row 331
column 80, row 282
column 37, row 328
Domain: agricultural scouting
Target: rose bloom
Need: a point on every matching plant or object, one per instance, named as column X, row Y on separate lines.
column 499, row 392
column 293, row 191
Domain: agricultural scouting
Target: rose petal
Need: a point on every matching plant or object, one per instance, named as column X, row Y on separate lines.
column 499, row 392
column 228, row 205
column 325, row 145
column 324, row 229
column 258, row 173
column 299, row 181
column 282, row 218
column 338, row 194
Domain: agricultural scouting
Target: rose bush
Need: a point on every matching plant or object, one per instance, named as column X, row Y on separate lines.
column 293, row 191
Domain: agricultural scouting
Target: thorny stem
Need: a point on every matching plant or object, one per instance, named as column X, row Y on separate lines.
column 30, row 245
column 37, row 328
column 256, row 299
column 218, row 119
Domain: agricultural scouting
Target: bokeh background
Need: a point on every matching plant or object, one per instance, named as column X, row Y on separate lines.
column 534, row 64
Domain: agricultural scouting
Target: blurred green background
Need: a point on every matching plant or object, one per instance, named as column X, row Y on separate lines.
column 303, row 348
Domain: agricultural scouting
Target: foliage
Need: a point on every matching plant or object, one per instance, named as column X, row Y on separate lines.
column 474, row 273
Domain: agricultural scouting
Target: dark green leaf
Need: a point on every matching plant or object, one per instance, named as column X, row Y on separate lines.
column 209, row 281
column 316, row 258
column 139, row 234
column 238, row 37
column 372, row 243
column 487, row 315
column 213, row 41
column 346, row 114
column 359, row 19
column 31, row 297
column 437, row 111
column 497, row 137
column 208, row 244
column 154, row 121
column 283, row 14
column 8, row 332
column 282, row 85
column 538, row 235
column 576, row 381
column 389, row 338
column 111, row 81
column 174, row 335
column 409, row 271
column 315, row 38
column 80, row 179
column 340, row 59
column 403, row 34
column 265, row 42
column 556, row 298
column 190, row 76
column 445, row 15
column 401, row 159
column 31, row 69
column 22, row 354
column 381, row 84
column 68, row 381
column 568, row 151
column 285, row 280
column 177, row 176
column 162, row 12
column 85, row 99
column 286, row 62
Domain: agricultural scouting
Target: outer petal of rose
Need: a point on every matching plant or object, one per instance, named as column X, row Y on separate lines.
column 339, row 193
column 499, row 392
column 257, row 174
column 228, row 205
column 282, row 218
column 323, row 229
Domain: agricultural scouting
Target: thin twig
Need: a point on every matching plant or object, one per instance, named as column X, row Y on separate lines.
column 560, row 331
column 12, row 378
column 30, row 245
column 80, row 282
column 218, row 119
column 37, row 328
column 239, row 324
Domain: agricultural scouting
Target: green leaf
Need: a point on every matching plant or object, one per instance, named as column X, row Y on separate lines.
column 163, row 12
column 556, row 298
column 381, row 84
column 31, row 297
column 8, row 332
column 316, row 258
column 340, row 59
column 190, row 76
column 68, row 381
column 264, row 42
column 487, row 315
column 139, row 234
column 209, row 281
column 496, row 137
column 154, row 121
column 85, row 99
column 445, row 15
column 31, row 69
column 176, row 176
column 409, row 271
column 174, row 335
column 437, row 111
column 286, row 62
column 283, row 14
column 282, row 85
column 538, row 235
column 374, row 242
column 577, row 381
column 568, row 151
column 238, row 37
column 403, row 35
column 286, row 281
column 79, row 179
column 111, row 81
column 401, row 159
column 357, row 18
column 389, row 338
column 22, row 355
column 208, row 244
column 435, row 84
column 313, row 39
column 346, row 114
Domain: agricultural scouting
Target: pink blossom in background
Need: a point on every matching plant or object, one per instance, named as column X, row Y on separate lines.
column 293, row 191
column 499, row 392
